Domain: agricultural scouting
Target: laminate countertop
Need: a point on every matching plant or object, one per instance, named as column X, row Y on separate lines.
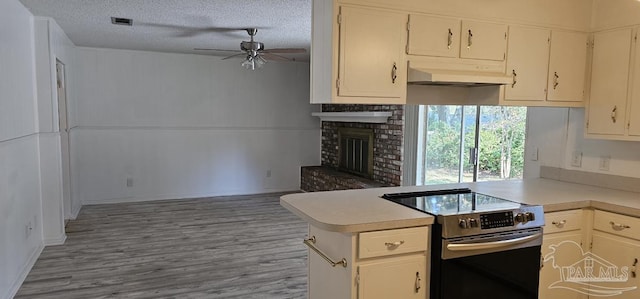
column 363, row 210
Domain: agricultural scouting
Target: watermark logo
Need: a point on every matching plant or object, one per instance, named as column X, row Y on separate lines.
column 590, row 274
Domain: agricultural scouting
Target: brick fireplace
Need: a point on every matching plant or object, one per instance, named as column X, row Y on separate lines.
column 387, row 152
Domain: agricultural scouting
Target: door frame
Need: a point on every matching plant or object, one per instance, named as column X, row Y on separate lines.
column 63, row 129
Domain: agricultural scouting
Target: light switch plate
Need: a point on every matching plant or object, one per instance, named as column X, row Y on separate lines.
column 576, row 159
column 605, row 162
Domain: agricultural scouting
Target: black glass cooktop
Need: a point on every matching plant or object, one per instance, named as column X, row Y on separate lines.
column 451, row 202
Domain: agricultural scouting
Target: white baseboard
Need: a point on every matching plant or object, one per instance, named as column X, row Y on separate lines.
column 15, row 286
column 184, row 196
column 55, row 241
column 75, row 212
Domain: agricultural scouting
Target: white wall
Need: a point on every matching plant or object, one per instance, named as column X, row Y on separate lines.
column 559, row 132
column 19, row 153
column 187, row 126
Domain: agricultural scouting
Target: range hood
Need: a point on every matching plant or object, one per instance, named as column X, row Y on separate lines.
column 426, row 76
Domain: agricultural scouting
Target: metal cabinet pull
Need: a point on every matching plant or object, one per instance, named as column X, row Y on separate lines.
column 515, row 78
column 614, row 114
column 556, row 80
column 469, row 39
column 418, row 280
column 559, row 223
column 450, row 39
column 618, row 226
column 311, row 243
column 394, row 73
column 394, row 244
column 633, row 268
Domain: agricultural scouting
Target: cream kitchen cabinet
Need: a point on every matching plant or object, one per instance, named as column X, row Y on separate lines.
column 623, row 254
column 615, row 247
column 609, row 83
column 562, row 233
column 455, row 38
column 548, row 67
column 379, row 264
column 363, row 59
column 633, row 123
column 434, row 36
column 527, row 62
column 567, row 66
column 483, row 40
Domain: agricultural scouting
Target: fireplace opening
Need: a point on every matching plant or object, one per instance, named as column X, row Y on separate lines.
column 355, row 150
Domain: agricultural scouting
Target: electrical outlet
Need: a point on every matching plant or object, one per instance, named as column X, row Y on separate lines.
column 28, row 229
column 129, row 182
column 605, row 161
column 269, row 173
column 576, row 159
column 533, row 156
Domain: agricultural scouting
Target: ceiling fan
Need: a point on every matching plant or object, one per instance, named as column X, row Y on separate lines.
column 254, row 52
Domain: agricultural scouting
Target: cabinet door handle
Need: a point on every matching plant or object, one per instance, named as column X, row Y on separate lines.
column 614, row 114
column 394, row 73
column 618, row 226
column 559, row 223
column 556, row 80
column 515, row 78
column 394, row 244
column 418, row 280
column 469, row 39
column 450, row 39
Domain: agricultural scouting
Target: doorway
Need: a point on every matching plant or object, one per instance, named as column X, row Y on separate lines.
column 63, row 124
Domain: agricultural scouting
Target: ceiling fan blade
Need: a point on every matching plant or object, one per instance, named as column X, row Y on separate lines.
column 286, row 50
column 190, row 31
column 232, row 56
column 275, row 57
column 215, row 50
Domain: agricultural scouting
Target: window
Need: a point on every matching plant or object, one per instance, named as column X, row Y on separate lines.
column 470, row 143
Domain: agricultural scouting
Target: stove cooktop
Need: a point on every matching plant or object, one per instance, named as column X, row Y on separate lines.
column 451, row 202
column 462, row 212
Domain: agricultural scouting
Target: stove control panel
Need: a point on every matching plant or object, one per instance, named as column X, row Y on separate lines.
column 496, row 220
column 468, row 224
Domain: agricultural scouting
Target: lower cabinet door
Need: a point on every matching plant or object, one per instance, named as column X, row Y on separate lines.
column 559, row 249
column 616, row 259
column 393, row 278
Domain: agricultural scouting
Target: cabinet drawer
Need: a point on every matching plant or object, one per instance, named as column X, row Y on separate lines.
column 617, row 224
column 394, row 241
column 562, row 221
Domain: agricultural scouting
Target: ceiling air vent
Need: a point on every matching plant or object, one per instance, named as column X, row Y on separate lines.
column 121, row 21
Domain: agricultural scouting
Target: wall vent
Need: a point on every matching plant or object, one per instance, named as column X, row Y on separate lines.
column 121, row 21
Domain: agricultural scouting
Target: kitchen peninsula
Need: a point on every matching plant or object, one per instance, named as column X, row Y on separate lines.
column 346, row 224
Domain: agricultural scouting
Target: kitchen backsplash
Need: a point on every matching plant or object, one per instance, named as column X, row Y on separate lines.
column 591, row 178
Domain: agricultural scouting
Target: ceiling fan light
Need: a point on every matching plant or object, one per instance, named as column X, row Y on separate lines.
column 249, row 63
column 260, row 61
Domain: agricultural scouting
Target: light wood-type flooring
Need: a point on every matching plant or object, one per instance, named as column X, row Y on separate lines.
column 221, row 247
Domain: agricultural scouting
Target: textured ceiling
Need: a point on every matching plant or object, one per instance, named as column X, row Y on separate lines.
column 181, row 25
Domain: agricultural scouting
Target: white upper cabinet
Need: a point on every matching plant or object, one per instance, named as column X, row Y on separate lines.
column 483, row 40
column 634, row 105
column 567, row 66
column 434, row 36
column 548, row 67
column 527, row 63
column 609, row 82
column 372, row 61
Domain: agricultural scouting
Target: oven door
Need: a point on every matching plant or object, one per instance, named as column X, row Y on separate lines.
column 496, row 266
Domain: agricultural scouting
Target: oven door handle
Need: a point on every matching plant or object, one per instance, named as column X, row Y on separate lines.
column 491, row 245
